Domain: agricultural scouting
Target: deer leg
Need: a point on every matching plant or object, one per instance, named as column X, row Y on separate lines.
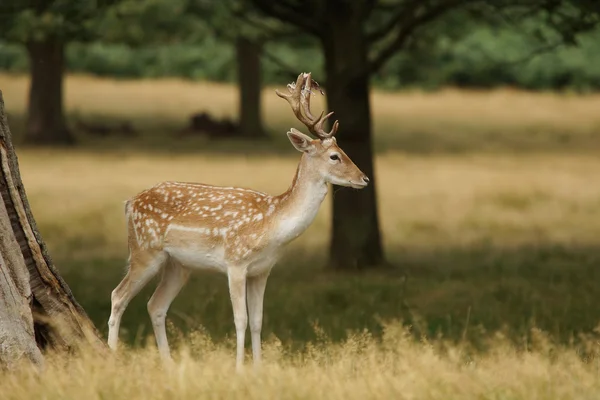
column 237, row 292
column 256, row 294
column 142, row 268
column 173, row 278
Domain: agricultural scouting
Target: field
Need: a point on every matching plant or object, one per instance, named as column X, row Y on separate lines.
column 490, row 215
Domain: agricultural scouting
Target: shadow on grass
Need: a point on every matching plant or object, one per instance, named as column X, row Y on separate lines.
column 459, row 293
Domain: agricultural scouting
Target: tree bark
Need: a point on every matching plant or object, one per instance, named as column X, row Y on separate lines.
column 356, row 238
column 46, row 124
column 17, row 338
column 249, row 77
column 30, row 285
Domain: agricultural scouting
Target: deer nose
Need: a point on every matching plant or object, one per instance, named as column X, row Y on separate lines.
column 365, row 179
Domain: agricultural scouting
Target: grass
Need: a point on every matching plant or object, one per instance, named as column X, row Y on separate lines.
column 359, row 368
column 488, row 209
column 448, row 121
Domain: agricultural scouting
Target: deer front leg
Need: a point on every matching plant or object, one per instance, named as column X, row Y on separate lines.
column 237, row 292
column 256, row 294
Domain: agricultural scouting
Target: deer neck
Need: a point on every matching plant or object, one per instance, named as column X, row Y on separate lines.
column 298, row 206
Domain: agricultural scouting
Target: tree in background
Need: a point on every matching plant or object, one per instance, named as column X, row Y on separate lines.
column 223, row 19
column 44, row 27
column 235, row 21
column 249, row 75
column 357, row 38
column 158, row 22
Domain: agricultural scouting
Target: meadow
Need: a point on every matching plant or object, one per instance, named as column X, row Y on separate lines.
column 490, row 217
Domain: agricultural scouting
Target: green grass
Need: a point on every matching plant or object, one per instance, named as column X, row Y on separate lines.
column 450, row 292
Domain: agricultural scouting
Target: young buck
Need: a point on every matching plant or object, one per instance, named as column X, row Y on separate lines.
column 178, row 227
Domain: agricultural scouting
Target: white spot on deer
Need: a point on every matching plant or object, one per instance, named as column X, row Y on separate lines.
column 257, row 217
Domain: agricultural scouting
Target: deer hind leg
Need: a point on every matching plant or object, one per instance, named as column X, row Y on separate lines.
column 142, row 268
column 237, row 292
column 174, row 276
column 256, row 293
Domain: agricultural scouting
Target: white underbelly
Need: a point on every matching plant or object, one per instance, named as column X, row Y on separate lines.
column 200, row 257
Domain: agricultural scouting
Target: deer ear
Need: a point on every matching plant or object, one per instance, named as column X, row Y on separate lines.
column 300, row 141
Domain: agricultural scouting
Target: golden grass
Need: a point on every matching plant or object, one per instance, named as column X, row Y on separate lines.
column 447, row 120
column 440, row 201
column 175, row 98
column 360, row 368
column 507, row 238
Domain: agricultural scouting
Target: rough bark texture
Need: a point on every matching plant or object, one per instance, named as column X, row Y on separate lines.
column 356, row 239
column 17, row 339
column 59, row 321
column 46, row 123
column 249, row 76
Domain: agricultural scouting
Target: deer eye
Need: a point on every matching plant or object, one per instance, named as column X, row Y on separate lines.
column 334, row 157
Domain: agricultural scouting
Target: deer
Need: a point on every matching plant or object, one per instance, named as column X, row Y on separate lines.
column 176, row 228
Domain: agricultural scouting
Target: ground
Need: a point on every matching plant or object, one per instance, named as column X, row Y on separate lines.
column 489, row 213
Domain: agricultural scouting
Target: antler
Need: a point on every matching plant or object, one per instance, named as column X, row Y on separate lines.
column 299, row 99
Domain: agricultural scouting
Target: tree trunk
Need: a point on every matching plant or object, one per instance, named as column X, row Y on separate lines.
column 17, row 338
column 38, row 305
column 356, row 239
column 46, row 123
column 249, row 76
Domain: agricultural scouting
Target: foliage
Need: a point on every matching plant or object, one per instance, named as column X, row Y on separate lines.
column 193, row 39
column 34, row 20
column 153, row 22
column 484, row 57
column 489, row 57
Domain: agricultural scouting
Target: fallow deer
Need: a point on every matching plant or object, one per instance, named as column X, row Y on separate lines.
column 176, row 227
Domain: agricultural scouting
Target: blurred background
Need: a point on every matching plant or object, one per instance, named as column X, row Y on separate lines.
column 477, row 121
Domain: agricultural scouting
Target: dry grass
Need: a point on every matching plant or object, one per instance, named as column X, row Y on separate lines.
column 360, row 368
column 441, row 201
column 447, row 121
column 487, row 240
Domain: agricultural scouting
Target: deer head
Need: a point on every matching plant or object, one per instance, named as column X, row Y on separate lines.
column 324, row 155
